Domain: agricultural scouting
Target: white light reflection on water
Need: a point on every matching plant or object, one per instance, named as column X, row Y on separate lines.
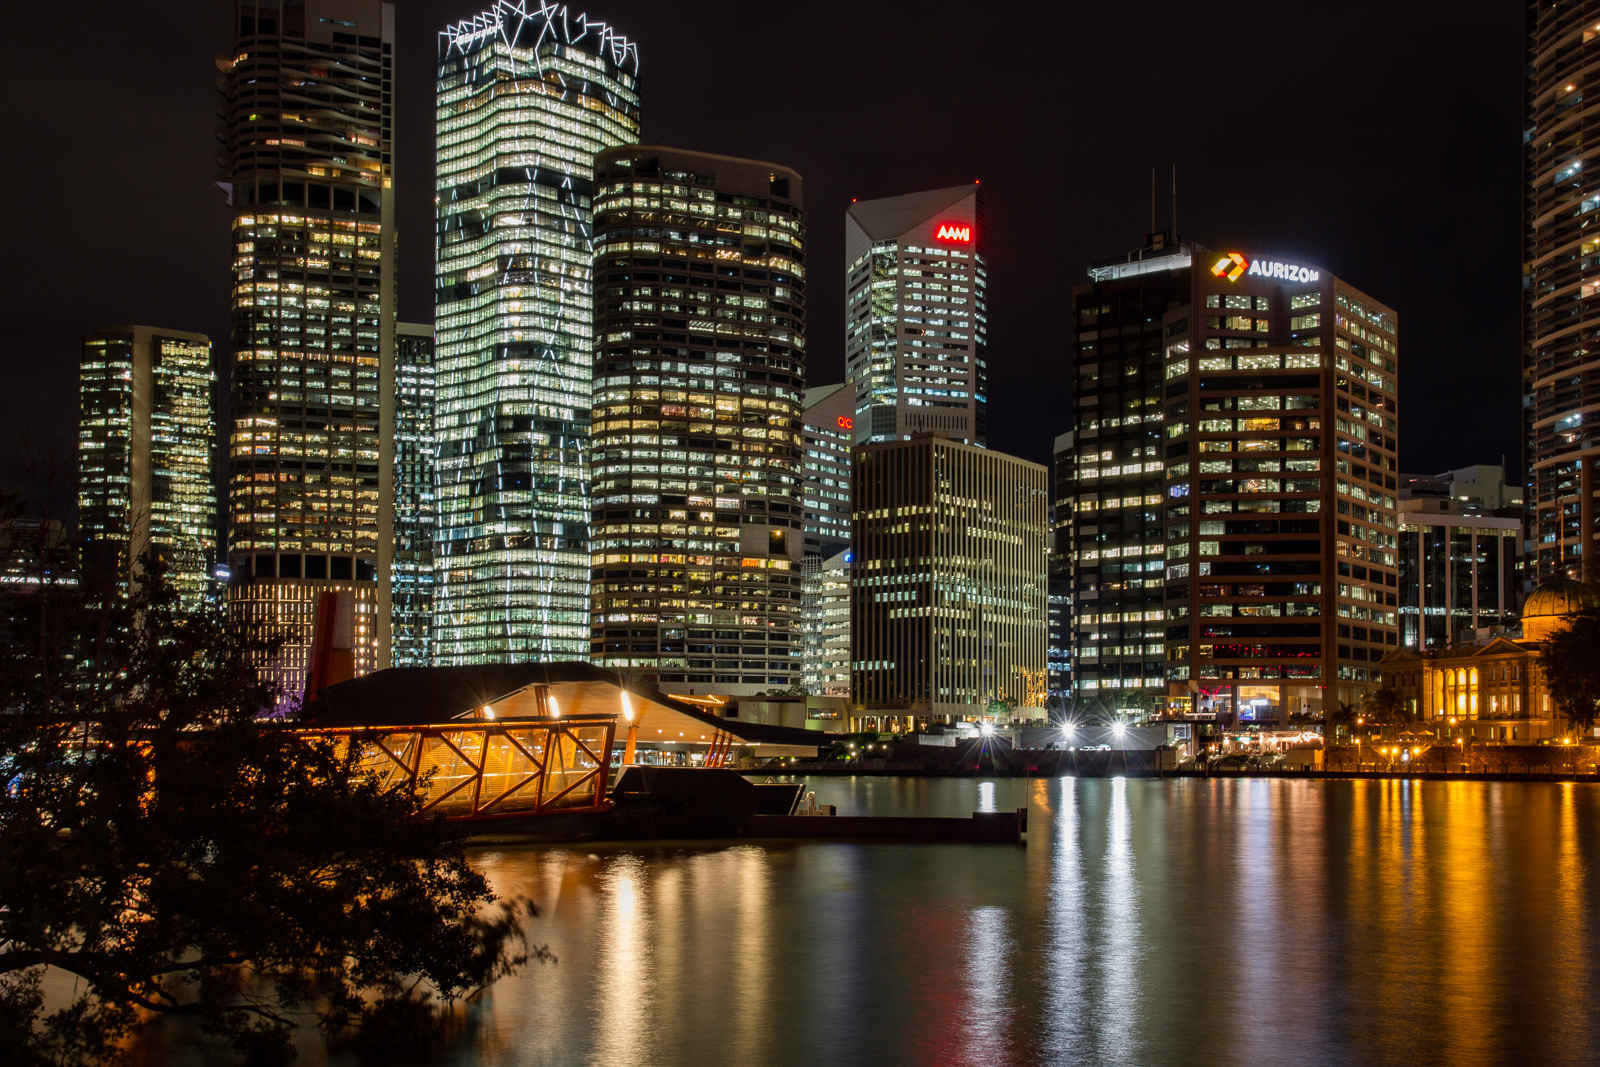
column 986, row 796
column 986, row 1015
column 1121, row 948
column 1066, row 1021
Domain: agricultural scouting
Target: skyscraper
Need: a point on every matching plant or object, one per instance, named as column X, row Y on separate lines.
column 1560, row 292
column 700, row 317
column 825, row 625
column 827, row 426
column 1235, row 451
column 916, row 315
column 947, row 606
column 308, row 174
column 416, row 510
column 526, row 96
column 147, row 425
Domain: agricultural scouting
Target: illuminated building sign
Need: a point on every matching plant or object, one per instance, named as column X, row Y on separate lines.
column 1232, row 266
column 949, row 231
column 846, row 422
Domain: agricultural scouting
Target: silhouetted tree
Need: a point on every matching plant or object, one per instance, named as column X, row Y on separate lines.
column 1571, row 660
column 1387, row 706
column 178, row 857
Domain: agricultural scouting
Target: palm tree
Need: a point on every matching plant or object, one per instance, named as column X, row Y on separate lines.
column 1387, row 705
column 1343, row 717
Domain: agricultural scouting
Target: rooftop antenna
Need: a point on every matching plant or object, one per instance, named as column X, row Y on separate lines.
column 1152, row 200
column 1174, row 201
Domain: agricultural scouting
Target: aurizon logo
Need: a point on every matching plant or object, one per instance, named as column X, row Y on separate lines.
column 1231, row 266
column 949, row 231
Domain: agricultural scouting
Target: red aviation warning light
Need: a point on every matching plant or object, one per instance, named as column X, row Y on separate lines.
column 950, row 231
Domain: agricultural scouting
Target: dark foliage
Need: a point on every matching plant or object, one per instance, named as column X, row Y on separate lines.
column 1571, row 660
column 182, row 858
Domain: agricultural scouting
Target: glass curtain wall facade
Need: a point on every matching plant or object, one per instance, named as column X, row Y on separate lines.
column 147, row 426
column 307, row 142
column 527, row 95
column 1458, row 577
column 1271, row 437
column 700, row 316
column 948, row 601
column 1561, row 290
column 416, row 511
column 916, row 315
column 1109, row 487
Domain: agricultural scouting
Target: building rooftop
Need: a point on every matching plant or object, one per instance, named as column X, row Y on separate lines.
column 894, row 215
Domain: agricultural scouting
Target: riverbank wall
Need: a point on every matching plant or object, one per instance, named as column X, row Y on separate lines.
column 1134, row 767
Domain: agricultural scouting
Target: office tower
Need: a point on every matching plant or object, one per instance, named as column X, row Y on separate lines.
column 825, row 625
column 1560, row 293
column 948, row 608
column 827, row 428
column 700, row 319
column 526, row 97
column 415, row 506
column 1063, row 456
column 916, row 315
column 1458, row 574
column 307, row 169
column 1230, row 406
column 146, row 426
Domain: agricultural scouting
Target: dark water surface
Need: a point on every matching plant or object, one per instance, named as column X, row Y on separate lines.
column 1145, row 922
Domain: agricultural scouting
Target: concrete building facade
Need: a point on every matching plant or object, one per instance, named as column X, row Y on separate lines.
column 1560, row 291
column 948, row 602
column 697, row 518
column 825, row 625
column 307, row 141
column 916, row 315
column 1235, row 451
column 827, row 429
column 416, row 508
column 147, row 428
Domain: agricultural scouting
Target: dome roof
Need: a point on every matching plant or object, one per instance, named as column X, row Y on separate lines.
column 1559, row 596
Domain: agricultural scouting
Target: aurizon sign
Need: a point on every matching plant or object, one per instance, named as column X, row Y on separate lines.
column 1234, row 266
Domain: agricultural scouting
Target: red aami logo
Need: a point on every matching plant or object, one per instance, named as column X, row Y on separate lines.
column 1231, row 266
column 846, row 422
column 949, row 231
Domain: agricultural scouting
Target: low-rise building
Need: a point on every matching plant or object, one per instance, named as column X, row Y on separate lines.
column 1494, row 691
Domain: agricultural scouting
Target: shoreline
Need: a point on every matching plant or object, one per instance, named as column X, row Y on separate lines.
column 926, row 771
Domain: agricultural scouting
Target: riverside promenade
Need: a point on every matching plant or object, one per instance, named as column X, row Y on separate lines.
column 981, row 758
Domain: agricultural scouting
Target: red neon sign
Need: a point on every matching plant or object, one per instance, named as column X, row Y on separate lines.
column 950, row 231
column 846, row 422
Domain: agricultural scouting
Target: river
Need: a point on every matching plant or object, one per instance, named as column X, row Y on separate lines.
column 1144, row 922
column 1149, row 922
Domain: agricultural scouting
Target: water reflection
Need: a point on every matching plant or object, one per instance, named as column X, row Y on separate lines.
column 1146, row 922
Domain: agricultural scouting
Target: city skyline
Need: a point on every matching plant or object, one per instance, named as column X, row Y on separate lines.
column 1387, row 223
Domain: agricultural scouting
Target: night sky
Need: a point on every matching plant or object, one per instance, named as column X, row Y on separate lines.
column 1380, row 141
